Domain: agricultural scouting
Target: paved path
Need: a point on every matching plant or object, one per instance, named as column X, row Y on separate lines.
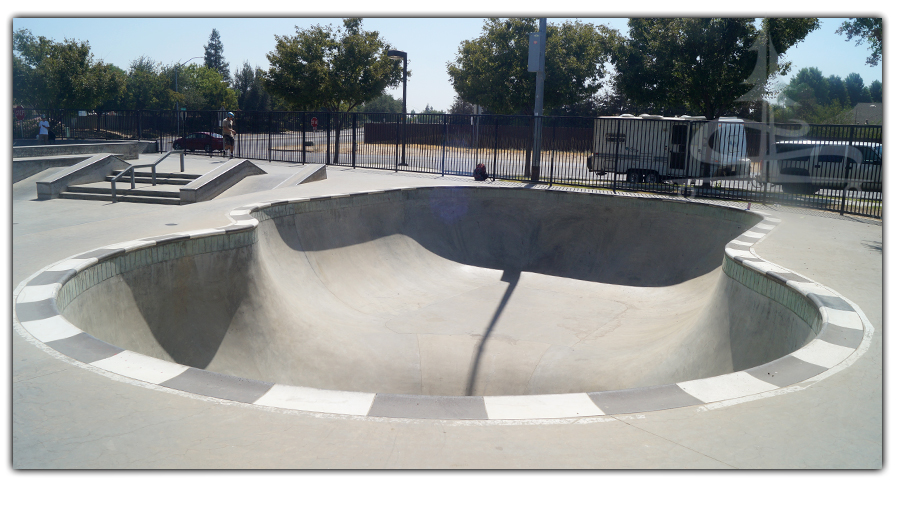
column 65, row 416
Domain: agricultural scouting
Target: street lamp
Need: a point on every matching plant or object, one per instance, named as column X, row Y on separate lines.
column 177, row 110
column 396, row 55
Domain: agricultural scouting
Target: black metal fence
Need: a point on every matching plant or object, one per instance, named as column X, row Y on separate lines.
column 829, row 167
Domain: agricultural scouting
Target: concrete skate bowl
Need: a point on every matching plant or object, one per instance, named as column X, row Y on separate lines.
column 441, row 296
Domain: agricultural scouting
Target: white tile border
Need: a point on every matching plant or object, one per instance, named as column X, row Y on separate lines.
column 51, row 329
column 841, row 318
column 138, row 366
column 728, row 386
column 38, row 293
column 316, row 400
column 131, row 245
column 523, row 407
column 822, row 353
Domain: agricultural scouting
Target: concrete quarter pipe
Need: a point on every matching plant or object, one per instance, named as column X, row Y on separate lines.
column 449, row 302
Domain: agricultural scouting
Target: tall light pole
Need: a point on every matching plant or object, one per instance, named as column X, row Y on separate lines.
column 397, row 55
column 536, row 55
column 177, row 107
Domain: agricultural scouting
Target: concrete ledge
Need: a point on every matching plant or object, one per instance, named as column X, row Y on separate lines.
column 218, row 180
column 308, row 173
column 128, row 149
column 92, row 169
column 25, row 167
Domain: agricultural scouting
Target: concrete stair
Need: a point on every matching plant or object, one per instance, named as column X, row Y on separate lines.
column 166, row 190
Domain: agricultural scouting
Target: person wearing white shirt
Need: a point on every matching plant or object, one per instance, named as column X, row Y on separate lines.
column 44, row 129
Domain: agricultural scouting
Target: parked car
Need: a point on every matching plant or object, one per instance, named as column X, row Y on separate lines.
column 205, row 141
column 806, row 166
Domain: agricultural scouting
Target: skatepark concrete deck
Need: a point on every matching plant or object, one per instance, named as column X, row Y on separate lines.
column 71, row 416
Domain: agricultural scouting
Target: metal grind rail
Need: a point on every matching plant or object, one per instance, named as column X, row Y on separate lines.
column 152, row 166
column 116, row 178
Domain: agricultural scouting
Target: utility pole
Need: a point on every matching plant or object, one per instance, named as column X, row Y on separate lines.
column 536, row 51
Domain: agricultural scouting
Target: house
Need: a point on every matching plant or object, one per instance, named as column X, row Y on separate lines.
column 868, row 113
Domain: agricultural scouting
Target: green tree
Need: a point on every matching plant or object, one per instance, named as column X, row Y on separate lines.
column 248, row 83
column 460, row 106
column 856, row 89
column 382, row 104
column 837, row 92
column 491, row 70
column 710, row 65
column 61, row 75
column 865, row 29
column 146, row 86
column 323, row 67
column 335, row 69
column 430, row 110
column 875, row 90
column 213, row 56
column 202, row 88
column 809, row 84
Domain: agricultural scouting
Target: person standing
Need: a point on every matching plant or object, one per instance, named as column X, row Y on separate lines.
column 228, row 132
column 44, row 131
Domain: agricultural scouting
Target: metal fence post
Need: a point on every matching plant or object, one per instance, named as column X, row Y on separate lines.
column 269, row 131
column 615, row 172
column 303, row 141
column 396, row 143
column 444, row 145
column 847, row 170
column 355, row 120
column 496, row 143
column 552, row 155
column 766, row 164
column 328, row 140
column 687, row 154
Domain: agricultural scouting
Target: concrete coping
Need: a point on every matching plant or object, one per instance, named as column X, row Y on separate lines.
column 842, row 329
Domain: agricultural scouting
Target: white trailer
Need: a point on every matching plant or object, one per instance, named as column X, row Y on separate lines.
column 650, row 148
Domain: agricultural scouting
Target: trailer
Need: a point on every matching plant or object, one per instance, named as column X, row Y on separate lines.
column 652, row 149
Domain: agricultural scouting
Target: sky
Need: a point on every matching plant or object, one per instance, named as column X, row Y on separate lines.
column 430, row 42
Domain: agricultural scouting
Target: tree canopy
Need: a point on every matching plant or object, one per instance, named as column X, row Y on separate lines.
column 335, row 69
column 213, row 56
column 202, row 88
column 708, row 65
column 856, row 89
column 248, row 83
column 875, row 90
column 61, row 75
column 491, row 70
column 382, row 104
column 865, row 29
column 147, row 87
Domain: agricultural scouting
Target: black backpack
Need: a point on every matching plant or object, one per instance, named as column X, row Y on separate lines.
column 480, row 172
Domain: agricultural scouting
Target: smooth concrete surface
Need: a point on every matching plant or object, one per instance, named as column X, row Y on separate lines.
column 454, row 292
column 25, row 167
column 93, row 169
column 218, row 180
column 65, row 416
